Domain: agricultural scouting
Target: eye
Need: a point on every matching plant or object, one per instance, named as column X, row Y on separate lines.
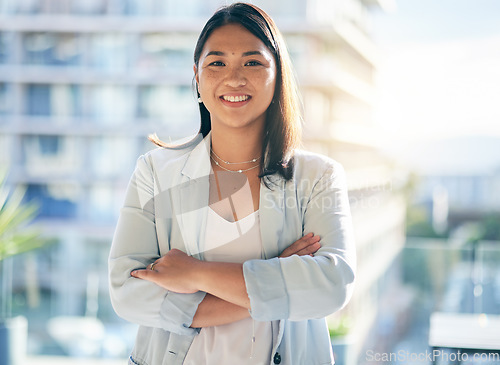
column 217, row 63
column 253, row 63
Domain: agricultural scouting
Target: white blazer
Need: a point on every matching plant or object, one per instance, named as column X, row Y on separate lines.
column 166, row 207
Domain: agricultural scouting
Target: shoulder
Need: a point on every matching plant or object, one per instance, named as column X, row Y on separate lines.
column 161, row 157
column 314, row 165
column 316, row 174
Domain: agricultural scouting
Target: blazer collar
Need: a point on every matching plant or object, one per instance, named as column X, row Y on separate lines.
column 198, row 161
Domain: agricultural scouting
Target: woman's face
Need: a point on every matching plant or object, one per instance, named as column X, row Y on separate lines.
column 236, row 76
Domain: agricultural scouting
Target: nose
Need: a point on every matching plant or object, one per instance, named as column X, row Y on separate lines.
column 235, row 77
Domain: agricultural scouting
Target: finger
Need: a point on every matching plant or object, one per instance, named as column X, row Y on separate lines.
column 313, row 239
column 300, row 244
column 303, row 243
column 153, row 266
column 144, row 274
column 309, row 250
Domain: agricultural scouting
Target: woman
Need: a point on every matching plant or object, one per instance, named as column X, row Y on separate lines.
column 233, row 247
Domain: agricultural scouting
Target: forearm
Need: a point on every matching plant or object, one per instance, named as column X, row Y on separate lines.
column 180, row 273
column 223, row 280
column 229, row 301
column 226, row 280
column 214, row 311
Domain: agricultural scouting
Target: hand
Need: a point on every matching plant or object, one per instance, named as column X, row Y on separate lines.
column 307, row 245
column 174, row 272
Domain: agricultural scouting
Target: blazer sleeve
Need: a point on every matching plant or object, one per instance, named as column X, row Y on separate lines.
column 135, row 245
column 305, row 287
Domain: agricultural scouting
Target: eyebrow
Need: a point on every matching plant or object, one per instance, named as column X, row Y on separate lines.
column 245, row 54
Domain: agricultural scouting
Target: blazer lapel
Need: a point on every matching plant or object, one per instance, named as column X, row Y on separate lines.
column 194, row 194
column 272, row 215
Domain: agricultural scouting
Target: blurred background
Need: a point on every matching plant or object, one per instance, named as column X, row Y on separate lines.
column 404, row 93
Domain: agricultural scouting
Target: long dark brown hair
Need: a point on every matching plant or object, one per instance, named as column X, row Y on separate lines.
column 283, row 120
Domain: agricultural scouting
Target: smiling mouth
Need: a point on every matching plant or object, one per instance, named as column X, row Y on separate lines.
column 235, row 99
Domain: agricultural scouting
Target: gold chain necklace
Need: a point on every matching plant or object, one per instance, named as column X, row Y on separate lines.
column 233, row 163
column 240, row 171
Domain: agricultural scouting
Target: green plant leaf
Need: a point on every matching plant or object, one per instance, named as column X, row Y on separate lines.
column 17, row 235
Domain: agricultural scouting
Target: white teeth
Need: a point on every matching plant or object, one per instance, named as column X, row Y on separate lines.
column 236, row 99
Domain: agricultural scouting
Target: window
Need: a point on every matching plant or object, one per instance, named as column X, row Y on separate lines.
column 38, row 99
column 20, row 7
column 152, row 101
column 55, row 6
column 110, row 51
column 172, row 106
column 55, row 200
column 51, row 49
column 186, row 8
column 169, row 8
column 66, row 100
column 51, row 155
column 112, row 104
column 139, row 7
column 167, row 52
column 89, row 7
column 112, row 156
column 5, row 42
column 5, row 148
column 49, row 145
column 60, row 100
column 5, row 102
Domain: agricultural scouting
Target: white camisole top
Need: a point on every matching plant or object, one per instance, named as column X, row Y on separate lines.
column 245, row 342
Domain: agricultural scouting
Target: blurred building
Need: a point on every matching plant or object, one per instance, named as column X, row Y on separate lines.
column 468, row 197
column 83, row 82
column 458, row 179
column 336, row 63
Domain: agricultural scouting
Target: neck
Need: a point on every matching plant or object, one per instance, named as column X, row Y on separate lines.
column 237, row 146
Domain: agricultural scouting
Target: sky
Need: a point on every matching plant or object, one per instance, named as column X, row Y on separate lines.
column 439, row 74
